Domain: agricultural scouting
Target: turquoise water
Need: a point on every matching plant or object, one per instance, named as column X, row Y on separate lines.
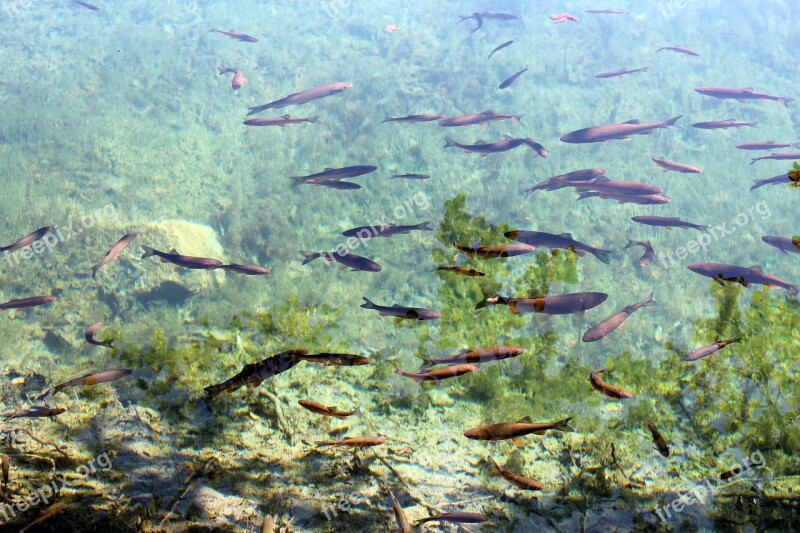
column 117, row 121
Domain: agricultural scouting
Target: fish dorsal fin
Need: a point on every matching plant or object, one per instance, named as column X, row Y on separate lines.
column 524, row 420
column 396, row 305
column 487, row 112
column 329, row 168
column 566, row 235
column 748, row 89
column 507, row 137
column 286, row 116
column 757, row 268
column 174, row 252
column 632, row 121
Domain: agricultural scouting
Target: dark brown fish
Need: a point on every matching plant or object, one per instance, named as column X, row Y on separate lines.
column 282, row 121
column 367, row 232
column 303, row 97
column 563, row 241
column 667, row 222
column 87, row 5
column 438, row 374
column 794, row 156
column 352, row 261
column 255, row 373
column 27, row 239
column 609, row 390
column 238, row 80
column 558, row 304
column 456, row 518
column 248, row 270
column 399, row 515
column 728, row 93
column 512, row 430
column 711, row 349
column 514, row 78
column 334, row 174
column 478, row 356
column 236, row 36
column 489, row 252
column 676, row 167
column 723, row 124
column 623, row 131
column 326, row 410
column 518, row 481
column 336, row 359
column 500, row 47
column 658, row 440
column 92, row 378
column 733, row 472
column 410, row 176
column 34, row 412
column 680, row 50
column 611, row 323
column 620, row 72
column 429, row 117
column 460, row 270
column 354, row 442
column 115, row 250
column 506, row 144
column 89, row 335
column 400, row 312
column 566, row 180
column 185, row 261
column 767, row 145
column 649, row 254
column 22, row 303
column 744, row 276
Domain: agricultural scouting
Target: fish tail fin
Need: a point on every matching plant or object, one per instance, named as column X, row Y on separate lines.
column 424, row 226
column 257, row 109
column 670, row 124
column 386, row 119
column 313, row 120
column 754, row 159
column 94, row 271
column 358, row 411
column 785, row 101
column 492, row 462
column 649, row 300
column 148, row 252
column 752, row 124
column 310, row 256
column 297, row 180
column 368, row 304
column 449, row 142
column 563, row 425
column 602, row 255
column 518, row 118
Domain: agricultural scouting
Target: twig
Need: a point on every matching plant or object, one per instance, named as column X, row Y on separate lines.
column 282, row 423
column 42, row 442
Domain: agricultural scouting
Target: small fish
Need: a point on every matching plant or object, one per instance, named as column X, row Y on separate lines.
column 400, row 312
column 428, row 117
column 728, row 93
column 477, row 356
column 557, row 304
column 607, row 12
column 609, row 390
column 562, row 241
column 460, row 270
column 767, row 145
column 648, row 257
column 604, row 185
column 611, row 323
column 238, row 78
column 658, row 440
column 508, row 143
column 89, row 335
column 774, row 180
column 303, row 97
column 336, row 359
column 399, row 515
column 334, row 174
column 514, row 78
column 392, row 28
column 566, row 180
column 744, row 276
column 676, row 167
column 777, row 157
column 334, row 184
column 236, row 36
column 326, row 410
column 185, row 261
column 667, row 222
column 438, row 374
column 679, row 50
column 520, row 428
column 27, row 239
column 354, row 442
column 366, row 232
column 23, row 303
column 620, row 72
column 622, row 131
column 504, row 45
column 564, row 17
column 723, row 124
column 248, row 270
column 518, row 481
column 255, row 373
column 87, row 5
column 711, row 349
column 784, row 244
column 410, row 176
column 477, row 119
column 92, row 378
column 352, row 261
column 481, row 17
column 640, row 199
column 282, row 121
column 34, row 412
column 115, row 250
column 456, row 518
column 489, row 252
column 733, row 472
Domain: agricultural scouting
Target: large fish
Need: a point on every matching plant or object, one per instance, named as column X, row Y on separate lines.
column 720, row 272
column 617, row 187
column 303, row 97
column 566, row 180
column 23, row 303
column 479, row 355
column 723, row 124
column 506, row 144
column 608, row 132
column 559, row 304
column 609, row 390
column 729, row 93
column 488, row 252
column 517, row 480
column 185, row 261
column 711, row 349
column 640, row 199
column 794, row 156
column 475, row 119
column 401, row 312
column 235, row 35
column 366, row 232
column 500, row 47
column 563, row 241
column 428, row 117
column 620, row 72
column 766, row 145
column 676, row 167
column 780, row 179
column 611, row 323
column 667, row 222
column 283, row 120
column 115, row 250
column 255, row 373
column 27, row 239
column 333, row 174
column 352, row 261
column 520, row 428
column 784, row 244
column 438, row 374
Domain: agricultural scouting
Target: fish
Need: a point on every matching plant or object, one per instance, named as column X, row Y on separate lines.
column 479, row 355
column 248, row 270
column 728, row 93
column 326, row 410
column 400, row 312
column 619, row 187
column 622, row 131
column 767, row 145
column 114, row 252
column 680, row 50
column 520, row 428
column 508, row 143
column 774, row 180
column 518, row 481
column 562, row 241
column 641, row 199
column 606, row 326
column 185, row 261
column 365, row 232
column 514, row 78
column 391, row 28
column 475, row 119
column 335, row 184
column 784, row 244
column 777, row 157
column 399, row 515
column 427, row 117
column 438, row 374
column 609, row 390
column 336, row 359
column 303, row 97
column 723, row 124
column 489, row 252
column 34, row 412
column 648, row 257
column 456, row 518
column 667, row 222
column 461, row 270
column 676, row 167
column 282, row 121
column 254, row 374
column 658, row 440
column 607, row 12
column 500, row 47
column 236, row 36
column 27, row 240
column 620, row 72
column 23, row 303
column 354, row 442
column 92, row 378
column 711, row 349
column 5, row 463
column 89, row 335
column 481, row 17
column 410, row 176
column 238, row 80
column 744, row 276
column 352, row 261
column 566, row 180
column 733, row 472
column 558, row 304
column 87, row 5
column 334, row 174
